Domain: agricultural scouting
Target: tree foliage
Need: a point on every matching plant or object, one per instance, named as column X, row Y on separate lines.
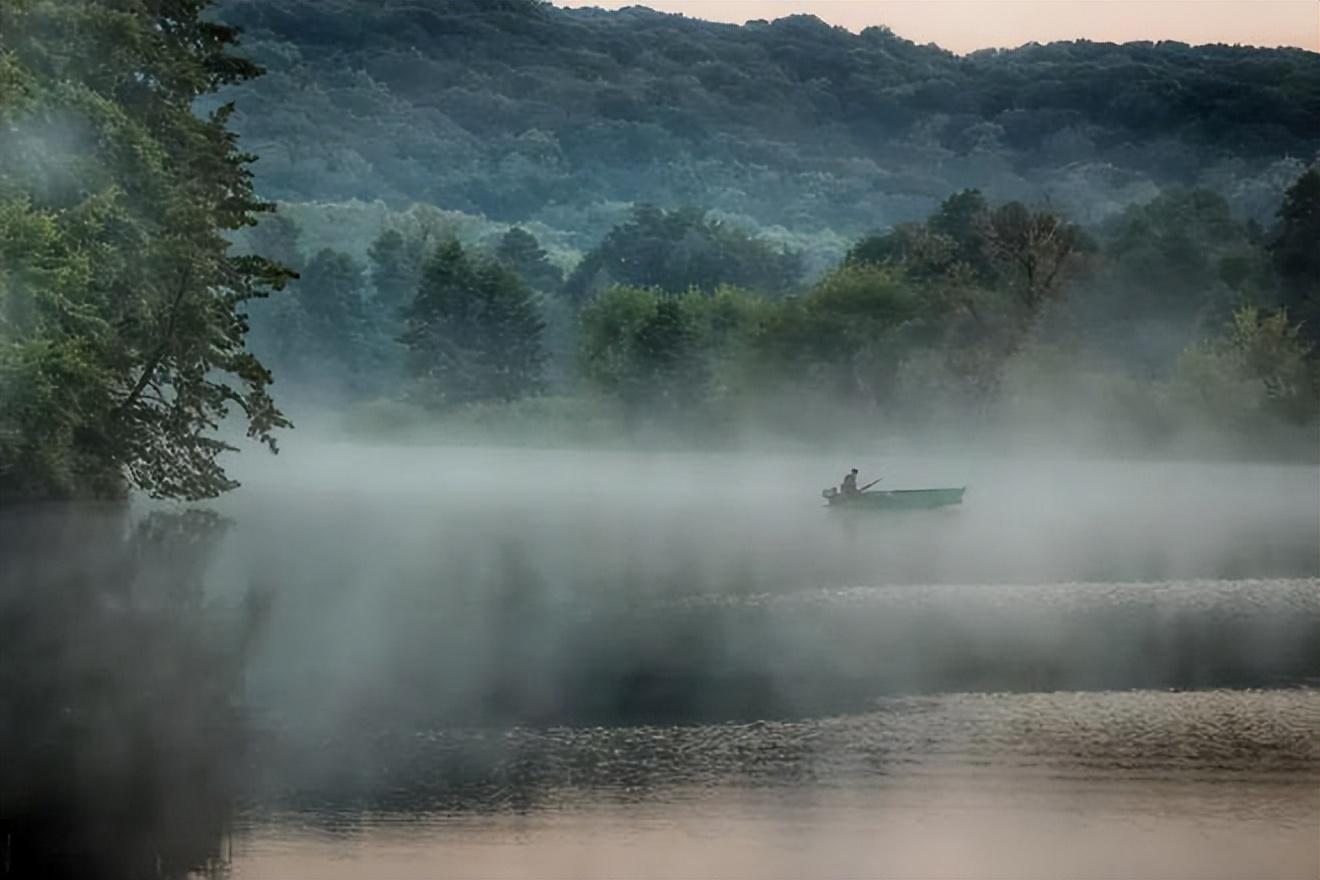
column 473, row 331
column 986, row 277
column 122, row 318
column 1258, row 369
column 1295, row 248
column 527, row 111
column 523, row 255
column 679, row 251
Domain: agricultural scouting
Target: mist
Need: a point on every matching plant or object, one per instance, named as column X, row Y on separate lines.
column 646, row 647
column 421, row 422
column 533, row 585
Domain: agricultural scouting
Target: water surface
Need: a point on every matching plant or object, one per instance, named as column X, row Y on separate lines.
column 488, row 663
column 1215, row 784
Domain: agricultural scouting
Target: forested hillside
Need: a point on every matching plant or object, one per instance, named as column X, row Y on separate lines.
column 501, row 209
column 524, row 112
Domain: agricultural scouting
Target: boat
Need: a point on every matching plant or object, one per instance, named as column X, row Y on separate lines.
column 894, row 499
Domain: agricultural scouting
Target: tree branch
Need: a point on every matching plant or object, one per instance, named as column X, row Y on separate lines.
column 153, row 362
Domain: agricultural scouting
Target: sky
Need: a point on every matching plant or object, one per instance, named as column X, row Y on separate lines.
column 966, row 25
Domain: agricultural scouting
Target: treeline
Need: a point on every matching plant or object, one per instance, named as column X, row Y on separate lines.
column 525, row 112
column 1172, row 314
column 349, row 323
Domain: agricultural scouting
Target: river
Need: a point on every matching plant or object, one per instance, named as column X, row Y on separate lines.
column 1211, row 784
column 567, row 664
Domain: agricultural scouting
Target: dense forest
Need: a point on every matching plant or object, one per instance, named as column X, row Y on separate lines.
column 718, row 226
column 524, row 112
column 644, row 217
column 1173, row 322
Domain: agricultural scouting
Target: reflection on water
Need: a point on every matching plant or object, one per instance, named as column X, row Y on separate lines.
column 1131, row 784
column 474, row 663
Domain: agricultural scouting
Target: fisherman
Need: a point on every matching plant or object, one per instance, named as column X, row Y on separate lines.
column 850, row 483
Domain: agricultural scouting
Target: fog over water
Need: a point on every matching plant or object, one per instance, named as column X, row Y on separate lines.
column 442, row 569
column 506, row 662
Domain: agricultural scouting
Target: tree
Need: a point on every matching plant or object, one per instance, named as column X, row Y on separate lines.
column 279, row 239
column 473, row 332
column 645, row 347
column 848, row 334
column 682, row 250
column 1033, row 252
column 668, row 364
column 961, row 220
column 789, row 122
column 122, row 342
column 984, row 277
column 323, row 338
column 329, row 294
column 523, row 255
column 1295, row 247
column 1171, row 270
column 396, row 265
column 1026, row 254
column 1258, row 367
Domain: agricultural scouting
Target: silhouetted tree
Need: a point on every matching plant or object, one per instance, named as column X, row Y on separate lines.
column 1033, row 251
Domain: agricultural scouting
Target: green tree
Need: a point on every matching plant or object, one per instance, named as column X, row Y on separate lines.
column 1295, row 247
column 984, row 277
column 334, row 331
column 1259, row 367
column 396, row 266
column 1034, row 253
column 977, row 260
column 322, row 338
column 961, row 220
column 1171, row 271
column 473, row 331
column 847, row 336
column 122, row 342
column 523, row 255
column 682, row 250
column 645, row 347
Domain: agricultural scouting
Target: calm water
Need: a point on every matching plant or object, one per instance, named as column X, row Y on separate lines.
column 1128, row 784
column 519, row 664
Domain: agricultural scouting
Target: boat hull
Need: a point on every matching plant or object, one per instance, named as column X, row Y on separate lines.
column 899, row 499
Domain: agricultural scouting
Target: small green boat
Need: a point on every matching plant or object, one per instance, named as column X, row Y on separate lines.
column 897, row 499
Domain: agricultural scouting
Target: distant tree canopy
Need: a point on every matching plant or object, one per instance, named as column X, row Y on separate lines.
column 523, row 255
column 1295, row 248
column 679, row 251
column 527, row 111
column 978, row 304
column 1257, row 370
column 122, row 318
column 473, row 332
column 396, row 265
column 987, row 275
column 1171, row 271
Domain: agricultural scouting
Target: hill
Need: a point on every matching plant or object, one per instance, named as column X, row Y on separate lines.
column 525, row 112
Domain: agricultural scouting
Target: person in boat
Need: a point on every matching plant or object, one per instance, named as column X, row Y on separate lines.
column 850, row 484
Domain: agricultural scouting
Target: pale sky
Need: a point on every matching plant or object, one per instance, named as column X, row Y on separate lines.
column 965, row 25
